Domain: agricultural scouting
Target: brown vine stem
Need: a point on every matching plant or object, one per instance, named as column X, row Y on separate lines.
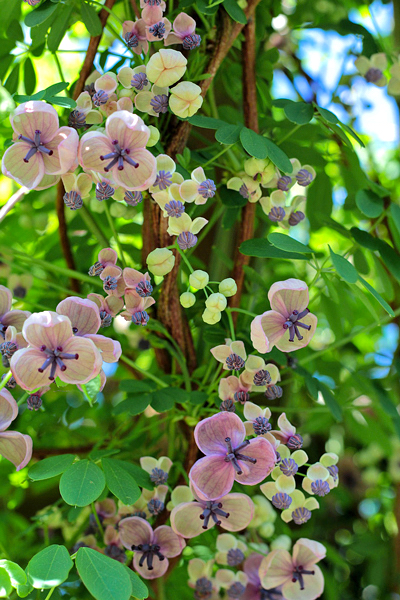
column 246, row 229
column 136, row 9
column 60, row 207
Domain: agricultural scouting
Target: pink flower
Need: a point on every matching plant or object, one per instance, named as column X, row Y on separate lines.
column 299, row 576
column 287, row 433
column 134, row 33
column 254, row 590
column 107, row 257
column 152, row 548
column 41, row 147
column 138, row 283
column 53, row 352
column 228, row 457
column 289, row 318
column 232, row 512
column 136, row 307
column 7, row 316
column 234, row 388
column 109, row 306
column 158, row 30
column 14, row 446
column 184, row 28
column 120, row 151
column 85, row 320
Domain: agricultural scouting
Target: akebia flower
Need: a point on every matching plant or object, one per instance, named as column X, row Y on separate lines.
column 76, row 188
column 41, row 146
column 198, row 188
column 183, row 32
column 166, row 67
column 120, row 151
column 232, row 512
column 157, row 468
column 137, row 282
column 152, row 549
column 254, row 590
column 185, row 99
column 299, row 576
column 54, row 351
column 234, row 388
column 107, row 257
column 229, row 457
column 160, row 261
column 8, row 317
column 231, row 354
column 136, row 307
column 186, row 229
column 14, row 446
column 230, row 550
column 289, row 325
column 372, row 68
column 134, row 34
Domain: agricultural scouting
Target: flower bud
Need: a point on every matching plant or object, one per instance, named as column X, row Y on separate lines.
column 199, row 279
column 216, row 303
column 187, row 299
column 154, row 136
column 228, row 287
column 160, row 261
column 211, row 317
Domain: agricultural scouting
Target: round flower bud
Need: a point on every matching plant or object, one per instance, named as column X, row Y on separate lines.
column 228, row 287
column 211, row 317
column 199, row 279
column 216, row 303
column 187, row 299
column 160, row 261
column 154, row 136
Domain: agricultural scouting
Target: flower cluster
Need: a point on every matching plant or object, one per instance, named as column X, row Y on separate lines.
column 215, row 302
column 282, row 206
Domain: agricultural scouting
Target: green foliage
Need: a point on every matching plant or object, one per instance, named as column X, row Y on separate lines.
column 49, row 568
column 82, row 483
column 105, row 579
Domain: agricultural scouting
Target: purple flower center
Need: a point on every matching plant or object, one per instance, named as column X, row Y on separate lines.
column 271, row 594
column 284, row 183
column 144, row 288
column 320, row 488
column 96, row 269
column 244, row 191
column 158, row 476
column 133, row 198
column 104, row 191
column 304, row 177
column 262, row 377
column 296, row 217
column 155, row 506
column 192, row 41
column 301, row 515
column 227, row 406
column 236, row 590
column 273, row 391
column 139, row 80
column 158, row 30
column 119, row 156
column 106, row 319
column 373, row 75
column 241, row 396
column 212, row 510
column 281, row 500
column 140, row 318
column 131, row 39
column 153, row 2
column 333, row 472
column 159, row 103
column 7, row 349
column 55, row 359
column 295, row 442
column 148, row 553
column 73, row 200
column 203, row 589
column 36, row 146
column 163, row 180
column 234, row 362
column 289, row 467
column 261, row 425
column 207, row 189
column 293, row 323
column 298, row 573
column 234, row 455
column 174, row 208
column 276, row 214
column 234, row 557
column 34, row 402
column 99, row 98
column 186, row 240
column 76, row 119
column 110, row 283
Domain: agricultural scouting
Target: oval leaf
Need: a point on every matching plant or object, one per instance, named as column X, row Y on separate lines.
column 105, row 578
column 82, row 483
column 120, row 482
column 278, row 157
column 50, row 467
column 344, row 267
column 235, row 12
column 91, row 19
column 299, row 112
column 40, row 14
column 261, row 248
column 228, row 134
column 369, row 203
column 288, row 244
column 253, row 143
column 50, row 567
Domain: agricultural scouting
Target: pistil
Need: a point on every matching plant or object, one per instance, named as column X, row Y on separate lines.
column 293, row 323
column 36, row 146
column 149, row 551
column 212, row 510
column 298, row 575
column 234, row 455
column 55, row 359
column 119, row 156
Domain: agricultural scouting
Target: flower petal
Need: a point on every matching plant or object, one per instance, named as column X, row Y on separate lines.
column 93, row 145
column 251, row 567
column 210, row 433
column 110, row 349
column 263, row 452
column 140, row 178
column 128, row 128
column 15, row 318
column 170, row 543
column 241, row 510
column 16, row 447
column 212, row 476
column 5, row 300
column 24, row 366
column 287, row 296
column 65, row 148
column 313, row 587
column 47, row 329
column 185, row 519
column 252, row 411
column 35, row 116
column 87, row 366
column 276, row 569
column 159, row 569
column 283, row 343
column 8, row 409
column 307, row 552
column 83, row 314
column 27, row 174
column 134, row 531
column 258, row 337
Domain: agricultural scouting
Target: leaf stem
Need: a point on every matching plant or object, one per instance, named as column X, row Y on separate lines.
column 96, row 516
column 5, row 380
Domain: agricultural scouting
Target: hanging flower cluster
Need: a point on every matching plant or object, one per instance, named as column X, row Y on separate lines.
column 215, row 302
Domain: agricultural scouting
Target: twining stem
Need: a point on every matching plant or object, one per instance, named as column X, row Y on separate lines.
column 231, row 324
column 209, row 162
column 115, row 234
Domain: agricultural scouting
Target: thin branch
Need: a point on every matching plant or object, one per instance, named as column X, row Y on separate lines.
column 136, row 9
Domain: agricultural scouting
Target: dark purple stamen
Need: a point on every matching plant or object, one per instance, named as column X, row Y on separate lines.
column 192, row 41
column 236, row 590
column 273, row 391
column 99, row 98
column 281, row 501
column 163, row 180
column 333, row 472
column 90, row 89
column 276, row 214
column 132, row 40
column 139, row 80
column 186, row 240
column 77, row 119
column 118, row 157
column 301, row 515
column 7, row 349
column 140, row 318
column 261, row 425
column 304, row 177
column 289, row 467
column 244, row 191
column 158, row 30
column 106, row 319
column 110, row 283
column 36, row 146
column 320, row 488
column 159, row 103
column 293, row 323
column 271, row 594
column 296, row 217
column 158, row 476
column 34, row 402
column 174, row 208
column 73, row 200
column 298, row 574
column 203, row 589
column 234, row 362
column 207, row 189
column 96, row 269
column 373, row 75
column 133, row 198
column 104, row 191
column 233, row 455
column 295, row 442
column 212, row 510
column 227, row 406
column 234, row 557
column 55, row 359
column 241, row 397
column 262, row 377
column 284, row 183
column 148, row 553
column 144, row 288
column 155, row 506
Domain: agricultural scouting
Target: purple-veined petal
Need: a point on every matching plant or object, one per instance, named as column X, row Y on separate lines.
column 283, row 343
column 47, row 329
column 160, row 567
column 16, row 447
column 8, row 409
column 65, row 148
column 185, row 519
column 15, row 318
column 5, row 300
column 241, row 510
column 212, row 476
column 287, row 296
column 171, row 544
column 110, row 349
column 24, row 366
column 276, row 569
column 93, row 145
column 258, row 337
column 251, row 567
column 86, row 367
column 108, row 256
column 313, row 587
column 134, row 531
column 35, row 116
column 307, row 552
column 129, row 129
column 140, row 178
column 210, row 433
column 83, row 314
column 272, row 324
column 27, row 174
column 260, row 449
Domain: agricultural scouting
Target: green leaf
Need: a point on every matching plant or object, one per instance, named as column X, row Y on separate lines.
column 7, row 104
column 55, row 89
column 29, row 76
column 319, row 201
column 40, row 14
column 369, row 203
column 24, row 589
column 299, row 112
column 61, row 101
column 105, row 578
column 395, row 214
column 206, row 122
column 231, row 198
column 50, row 467
column 16, row 574
column 91, row 19
column 59, row 27
column 365, row 239
column 11, row 84
column 5, row 584
column 288, row 244
column 330, row 400
column 378, row 297
column 92, row 388
column 261, row 248
column 120, row 482
column 82, row 483
column 198, row 398
column 329, row 116
column 345, row 269
column 235, row 12
column 388, row 406
column 353, row 134
column 98, row 454
column 278, row 157
column 50, row 567
column 136, row 386
column 164, row 399
column 228, row 134
column 139, row 588
column 134, row 405
column 141, row 476
column 253, row 143
column 14, row 31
